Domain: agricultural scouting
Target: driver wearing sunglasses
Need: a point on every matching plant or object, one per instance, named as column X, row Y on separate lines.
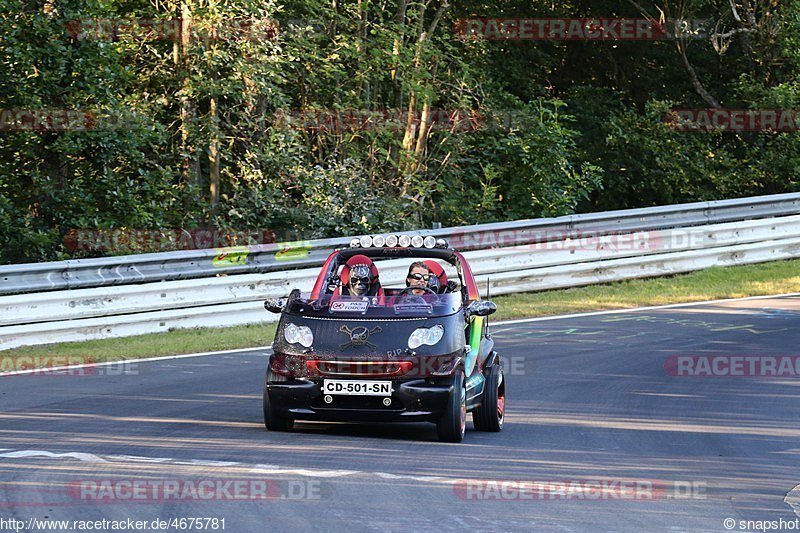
column 418, row 276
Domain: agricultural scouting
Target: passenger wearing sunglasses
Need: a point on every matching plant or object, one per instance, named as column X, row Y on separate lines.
column 360, row 280
column 360, row 277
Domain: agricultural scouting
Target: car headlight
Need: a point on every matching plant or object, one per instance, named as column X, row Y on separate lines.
column 298, row 334
column 429, row 336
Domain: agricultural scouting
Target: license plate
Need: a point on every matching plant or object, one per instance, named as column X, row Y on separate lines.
column 359, row 388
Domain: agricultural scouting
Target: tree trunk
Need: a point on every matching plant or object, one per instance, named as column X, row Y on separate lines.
column 213, row 154
column 399, row 41
column 415, row 137
column 190, row 165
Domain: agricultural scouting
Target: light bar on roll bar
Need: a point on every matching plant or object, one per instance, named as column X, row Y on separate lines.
column 401, row 241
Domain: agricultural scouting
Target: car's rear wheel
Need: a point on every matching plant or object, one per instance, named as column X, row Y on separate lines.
column 490, row 414
column 272, row 420
column 453, row 424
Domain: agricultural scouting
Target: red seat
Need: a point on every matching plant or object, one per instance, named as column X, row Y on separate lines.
column 344, row 289
column 437, row 270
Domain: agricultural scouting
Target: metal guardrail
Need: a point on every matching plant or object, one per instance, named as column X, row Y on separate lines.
column 535, row 255
column 128, row 299
column 190, row 264
column 608, row 265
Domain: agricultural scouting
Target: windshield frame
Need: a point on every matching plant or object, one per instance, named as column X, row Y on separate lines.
column 339, row 257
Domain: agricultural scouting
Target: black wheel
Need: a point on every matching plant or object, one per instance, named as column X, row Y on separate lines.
column 453, row 424
column 489, row 415
column 272, row 420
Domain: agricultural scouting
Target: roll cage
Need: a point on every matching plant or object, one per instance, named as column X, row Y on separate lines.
column 328, row 278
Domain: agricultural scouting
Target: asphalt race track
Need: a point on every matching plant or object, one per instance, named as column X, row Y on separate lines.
column 592, row 403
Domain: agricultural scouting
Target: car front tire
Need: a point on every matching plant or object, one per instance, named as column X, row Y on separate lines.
column 452, row 426
column 490, row 414
column 272, row 420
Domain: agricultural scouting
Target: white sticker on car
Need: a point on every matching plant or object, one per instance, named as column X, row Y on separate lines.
column 349, row 307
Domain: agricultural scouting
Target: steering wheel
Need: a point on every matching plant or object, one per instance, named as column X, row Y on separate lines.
column 407, row 295
column 410, row 290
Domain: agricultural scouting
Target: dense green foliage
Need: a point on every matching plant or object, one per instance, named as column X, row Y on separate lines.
column 224, row 126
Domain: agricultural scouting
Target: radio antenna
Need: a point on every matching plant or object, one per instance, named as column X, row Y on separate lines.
column 488, row 288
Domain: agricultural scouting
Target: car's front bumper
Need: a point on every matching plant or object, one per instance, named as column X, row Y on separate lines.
column 412, row 400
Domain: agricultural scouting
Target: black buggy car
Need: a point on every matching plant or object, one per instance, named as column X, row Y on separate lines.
column 419, row 353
